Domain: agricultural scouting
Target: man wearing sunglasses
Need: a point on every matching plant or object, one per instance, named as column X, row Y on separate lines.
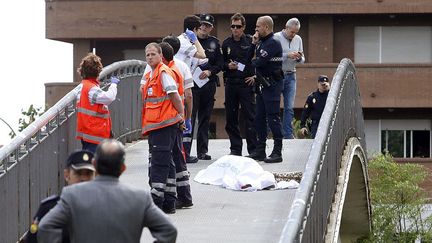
column 237, row 67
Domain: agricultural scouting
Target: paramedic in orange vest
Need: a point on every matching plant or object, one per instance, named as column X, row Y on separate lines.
column 162, row 117
column 93, row 117
column 184, row 196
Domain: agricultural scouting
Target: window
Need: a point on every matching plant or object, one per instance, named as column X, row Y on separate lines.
column 393, row 44
column 406, row 143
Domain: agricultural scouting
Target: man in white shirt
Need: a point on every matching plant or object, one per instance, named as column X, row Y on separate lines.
column 190, row 52
column 292, row 47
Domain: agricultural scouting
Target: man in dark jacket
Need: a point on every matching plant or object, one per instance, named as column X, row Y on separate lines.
column 269, row 80
column 204, row 89
column 237, row 67
column 314, row 106
column 78, row 169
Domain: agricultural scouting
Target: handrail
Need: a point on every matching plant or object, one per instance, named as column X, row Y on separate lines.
column 64, row 107
column 336, row 126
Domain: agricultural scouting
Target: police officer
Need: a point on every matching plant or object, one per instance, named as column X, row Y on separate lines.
column 314, row 106
column 203, row 96
column 269, row 75
column 78, row 168
column 237, row 67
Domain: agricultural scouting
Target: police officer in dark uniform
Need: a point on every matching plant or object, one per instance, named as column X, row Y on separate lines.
column 78, row 168
column 269, row 75
column 203, row 97
column 314, row 106
column 237, row 67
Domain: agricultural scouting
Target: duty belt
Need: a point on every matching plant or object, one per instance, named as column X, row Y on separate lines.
column 235, row 81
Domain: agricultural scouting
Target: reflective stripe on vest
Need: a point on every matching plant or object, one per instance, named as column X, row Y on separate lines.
column 159, row 99
column 92, row 113
column 93, row 120
column 90, row 137
column 152, row 126
column 158, row 109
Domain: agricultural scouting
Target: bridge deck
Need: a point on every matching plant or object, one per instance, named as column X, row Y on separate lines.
column 221, row 215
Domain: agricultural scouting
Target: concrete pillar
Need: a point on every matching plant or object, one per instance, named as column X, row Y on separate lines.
column 80, row 49
column 320, row 46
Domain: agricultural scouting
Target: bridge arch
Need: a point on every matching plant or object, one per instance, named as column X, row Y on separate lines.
column 337, row 159
column 350, row 213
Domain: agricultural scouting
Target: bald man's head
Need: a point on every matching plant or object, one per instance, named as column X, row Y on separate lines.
column 267, row 20
column 264, row 26
column 109, row 158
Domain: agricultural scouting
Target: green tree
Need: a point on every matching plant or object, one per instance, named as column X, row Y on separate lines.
column 296, row 128
column 30, row 116
column 398, row 201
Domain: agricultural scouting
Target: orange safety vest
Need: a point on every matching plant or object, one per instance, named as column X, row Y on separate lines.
column 93, row 120
column 178, row 78
column 158, row 110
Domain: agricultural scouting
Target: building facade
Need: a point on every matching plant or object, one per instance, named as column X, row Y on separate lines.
column 390, row 42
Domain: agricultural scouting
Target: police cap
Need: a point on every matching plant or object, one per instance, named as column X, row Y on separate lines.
column 207, row 19
column 80, row 160
column 323, row 78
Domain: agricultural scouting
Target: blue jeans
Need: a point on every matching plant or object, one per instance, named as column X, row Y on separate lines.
column 289, row 92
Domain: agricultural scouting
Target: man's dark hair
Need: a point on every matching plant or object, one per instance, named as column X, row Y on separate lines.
column 173, row 41
column 191, row 22
column 109, row 157
column 238, row 16
column 167, row 51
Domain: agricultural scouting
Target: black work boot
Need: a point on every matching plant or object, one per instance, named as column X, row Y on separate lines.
column 259, row 153
column 276, row 154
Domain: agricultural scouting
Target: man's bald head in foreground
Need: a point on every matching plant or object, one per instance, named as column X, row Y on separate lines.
column 109, row 158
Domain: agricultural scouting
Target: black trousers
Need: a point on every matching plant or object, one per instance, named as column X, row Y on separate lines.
column 267, row 112
column 240, row 95
column 314, row 128
column 182, row 174
column 162, row 168
column 203, row 102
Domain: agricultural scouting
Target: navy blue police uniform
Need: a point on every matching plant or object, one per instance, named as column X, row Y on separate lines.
column 77, row 160
column 268, row 69
column 203, row 98
column 46, row 205
column 313, row 109
column 238, row 93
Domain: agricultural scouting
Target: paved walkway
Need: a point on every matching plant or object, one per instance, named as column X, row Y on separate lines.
column 221, row 215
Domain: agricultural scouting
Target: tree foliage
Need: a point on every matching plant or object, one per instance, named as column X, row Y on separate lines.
column 29, row 116
column 398, row 201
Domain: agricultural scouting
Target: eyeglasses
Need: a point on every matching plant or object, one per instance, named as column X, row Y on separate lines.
column 236, row 26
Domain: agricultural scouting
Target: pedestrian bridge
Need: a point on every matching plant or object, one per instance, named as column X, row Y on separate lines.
column 331, row 204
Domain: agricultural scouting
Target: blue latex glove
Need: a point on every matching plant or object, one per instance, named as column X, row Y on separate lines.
column 191, row 35
column 115, row 80
column 188, row 125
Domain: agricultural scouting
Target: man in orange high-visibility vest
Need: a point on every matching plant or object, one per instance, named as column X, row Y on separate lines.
column 184, row 196
column 162, row 117
column 93, row 117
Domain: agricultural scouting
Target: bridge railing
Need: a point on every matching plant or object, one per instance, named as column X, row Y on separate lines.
column 342, row 118
column 31, row 165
